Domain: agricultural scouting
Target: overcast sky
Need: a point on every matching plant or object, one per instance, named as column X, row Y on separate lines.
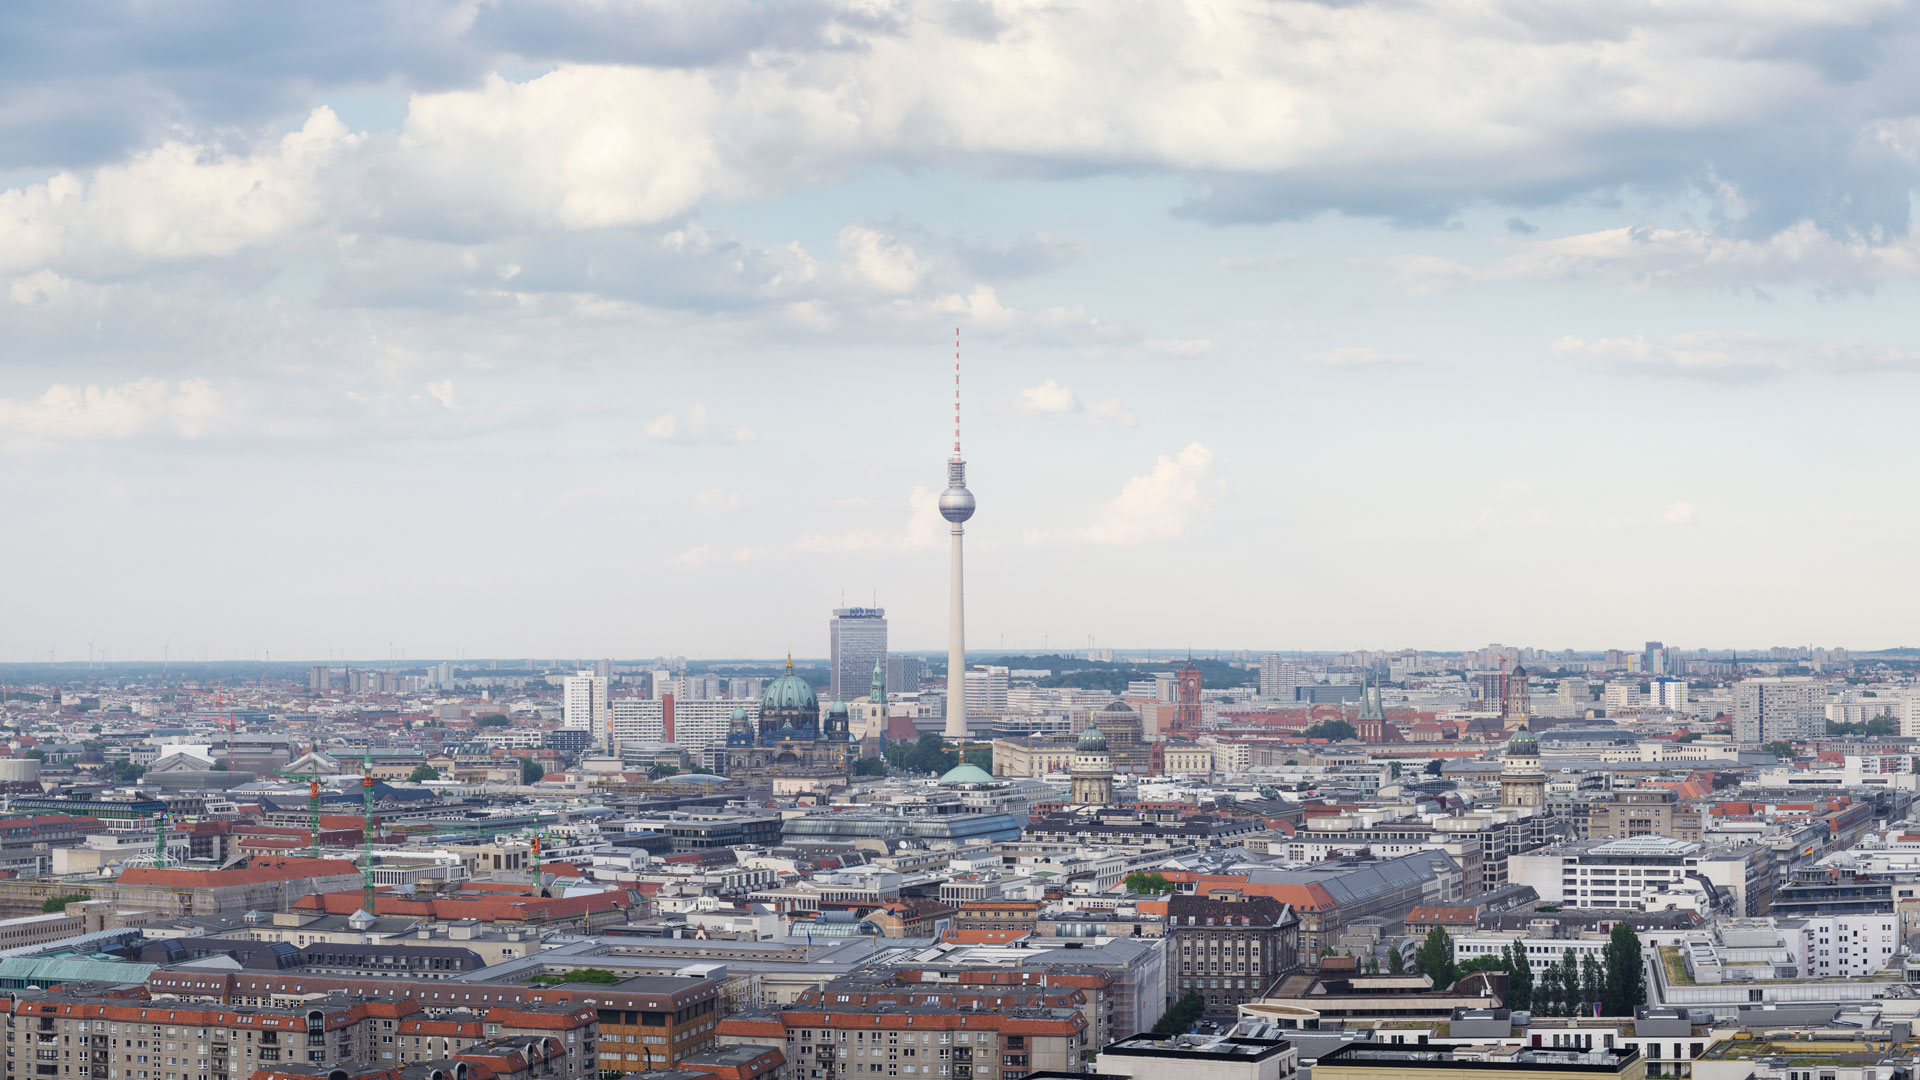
column 624, row 327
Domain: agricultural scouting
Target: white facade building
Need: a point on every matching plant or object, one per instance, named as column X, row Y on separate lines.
column 698, row 724
column 1766, row 710
column 585, row 703
column 1668, row 694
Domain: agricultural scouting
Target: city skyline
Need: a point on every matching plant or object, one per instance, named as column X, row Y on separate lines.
column 352, row 345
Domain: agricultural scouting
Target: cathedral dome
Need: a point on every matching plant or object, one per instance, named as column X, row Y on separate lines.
column 789, row 691
column 1523, row 744
column 1092, row 741
column 739, row 715
column 838, row 708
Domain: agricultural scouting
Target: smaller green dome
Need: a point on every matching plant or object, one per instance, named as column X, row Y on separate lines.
column 966, row 773
column 838, row 708
column 1523, row 743
column 739, row 715
column 1092, row 741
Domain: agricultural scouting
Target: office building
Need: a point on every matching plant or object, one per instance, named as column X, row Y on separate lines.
column 1187, row 1057
column 584, row 703
column 1369, row 1061
column 986, row 691
column 1781, row 709
column 1228, row 948
column 856, row 641
column 904, row 674
column 1279, row 677
column 1622, row 696
column 1665, row 693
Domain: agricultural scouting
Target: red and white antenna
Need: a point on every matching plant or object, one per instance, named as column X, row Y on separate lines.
column 956, row 393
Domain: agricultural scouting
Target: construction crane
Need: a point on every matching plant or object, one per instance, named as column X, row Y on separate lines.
column 537, row 882
column 219, row 699
column 366, row 829
column 313, row 794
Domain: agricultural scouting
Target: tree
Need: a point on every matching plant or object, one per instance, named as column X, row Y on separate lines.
column 1142, row 882
column 1626, row 977
column 423, row 773
column 1434, row 958
column 1332, row 731
column 1519, row 976
column 1181, row 1016
column 1373, row 965
column 1779, row 748
column 54, row 904
column 1593, row 982
column 36, row 754
column 661, row 772
column 491, row 720
column 1570, row 990
column 870, row 766
column 1546, row 995
column 220, row 766
column 126, row 772
column 1433, row 767
column 1396, row 963
column 531, row 771
column 1393, row 769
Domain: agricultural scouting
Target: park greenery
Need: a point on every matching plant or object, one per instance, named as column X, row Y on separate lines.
column 1140, row 882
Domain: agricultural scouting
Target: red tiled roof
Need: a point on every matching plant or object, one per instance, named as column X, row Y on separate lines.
column 261, row 872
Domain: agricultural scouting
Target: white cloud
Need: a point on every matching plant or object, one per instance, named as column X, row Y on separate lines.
column 1051, row 401
column 1261, row 262
column 924, row 529
column 175, row 201
column 719, row 499
column 1680, row 513
column 706, row 555
column 1734, row 355
column 1047, row 399
column 1644, row 257
column 693, row 426
column 879, row 261
column 67, row 413
column 1355, row 356
column 1160, row 504
column 442, row 392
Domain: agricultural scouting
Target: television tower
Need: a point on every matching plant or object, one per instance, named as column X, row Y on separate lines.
column 956, row 505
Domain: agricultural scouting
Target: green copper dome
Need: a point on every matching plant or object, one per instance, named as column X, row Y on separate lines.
column 1092, row 741
column 966, row 773
column 789, row 691
column 1523, row 743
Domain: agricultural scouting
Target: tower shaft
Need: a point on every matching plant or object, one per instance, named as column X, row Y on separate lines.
column 956, row 727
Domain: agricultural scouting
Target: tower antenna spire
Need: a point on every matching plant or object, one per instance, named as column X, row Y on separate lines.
column 956, row 393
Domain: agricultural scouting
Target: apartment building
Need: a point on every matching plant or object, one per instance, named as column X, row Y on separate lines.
column 917, row 1042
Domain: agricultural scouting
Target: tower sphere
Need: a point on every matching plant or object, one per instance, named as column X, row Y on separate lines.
column 956, row 504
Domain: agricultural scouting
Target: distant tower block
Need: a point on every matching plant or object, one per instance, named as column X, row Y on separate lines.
column 956, row 505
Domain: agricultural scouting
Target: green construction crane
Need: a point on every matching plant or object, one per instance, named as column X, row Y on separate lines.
column 537, row 883
column 366, row 830
column 313, row 795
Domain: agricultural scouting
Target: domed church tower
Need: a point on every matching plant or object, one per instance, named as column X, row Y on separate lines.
column 1091, row 778
column 1522, row 781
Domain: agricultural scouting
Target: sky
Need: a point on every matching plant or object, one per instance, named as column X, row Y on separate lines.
column 624, row 328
